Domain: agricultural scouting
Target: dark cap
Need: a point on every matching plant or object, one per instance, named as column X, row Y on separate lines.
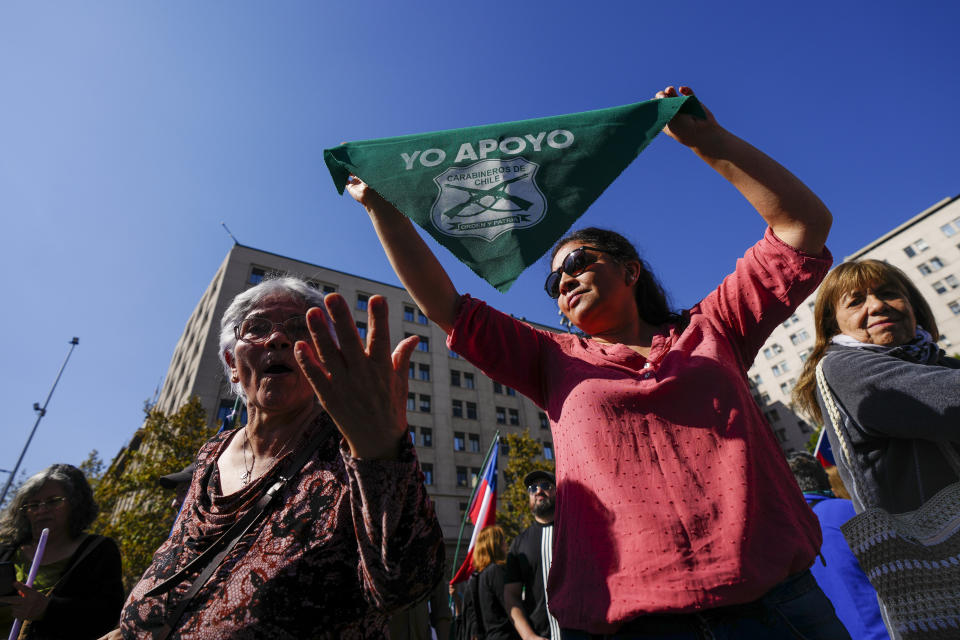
column 539, row 474
column 171, row 480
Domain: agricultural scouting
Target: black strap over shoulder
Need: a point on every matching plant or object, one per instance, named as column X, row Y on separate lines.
column 211, row 558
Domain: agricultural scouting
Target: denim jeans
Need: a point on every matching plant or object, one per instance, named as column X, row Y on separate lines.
column 795, row 609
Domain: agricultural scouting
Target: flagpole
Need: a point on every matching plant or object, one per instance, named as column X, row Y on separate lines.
column 466, row 514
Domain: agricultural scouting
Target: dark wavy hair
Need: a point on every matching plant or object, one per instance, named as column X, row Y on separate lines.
column 651, row 298
column 14, row 525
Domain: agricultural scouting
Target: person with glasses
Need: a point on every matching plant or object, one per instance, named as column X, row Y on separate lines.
column 528, row 562
column 352, row 536
column 78, row 589
column 676, row 511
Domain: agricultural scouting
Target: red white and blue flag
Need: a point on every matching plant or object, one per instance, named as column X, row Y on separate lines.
column 823, row 452
column 483, row 509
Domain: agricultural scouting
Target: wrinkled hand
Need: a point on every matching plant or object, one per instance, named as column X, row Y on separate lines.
column 29, row 605
column 362, row 387
column 687, row 129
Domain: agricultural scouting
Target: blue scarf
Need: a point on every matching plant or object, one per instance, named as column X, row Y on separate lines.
column 921, row 350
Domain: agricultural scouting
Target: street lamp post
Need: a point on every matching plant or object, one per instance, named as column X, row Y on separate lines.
column 41, row 411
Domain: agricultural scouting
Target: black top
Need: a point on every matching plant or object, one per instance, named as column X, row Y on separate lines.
column 899, row 417
column 86, row 601
column 524, row 566
column 496, row 623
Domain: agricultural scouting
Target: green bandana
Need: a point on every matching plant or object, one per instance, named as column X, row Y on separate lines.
column 498, row 196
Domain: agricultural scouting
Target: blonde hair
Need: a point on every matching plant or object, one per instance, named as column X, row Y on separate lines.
column 489, row 548
column 846, row 277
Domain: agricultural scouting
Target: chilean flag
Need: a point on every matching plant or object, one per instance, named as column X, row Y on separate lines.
column 483, row 510
column 823, row 452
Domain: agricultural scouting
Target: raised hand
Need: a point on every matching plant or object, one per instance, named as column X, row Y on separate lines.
column 362, row 387
column 687, row 129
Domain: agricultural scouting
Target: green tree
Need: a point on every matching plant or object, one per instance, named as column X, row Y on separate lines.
column 812, row 442
column 92, row 468
column 525, row 455
column 134, row 509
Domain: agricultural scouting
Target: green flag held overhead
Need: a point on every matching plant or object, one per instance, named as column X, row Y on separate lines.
column 498, row 196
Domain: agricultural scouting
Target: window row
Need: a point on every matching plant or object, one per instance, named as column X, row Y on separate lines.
column 499, row 388
column 423, row 345
column 951, row 228
column 792, row 320
column 780, row 368
column 462, row 379
column 423, row 369
column 412, row 314
column 457, row 407
column 466, row 442
column 502, row 414
column 773, row 350
column 424, row 405
column 941, row 286
column 914, row 248
column 931, row 265
column 799, row 337
column 426, row 436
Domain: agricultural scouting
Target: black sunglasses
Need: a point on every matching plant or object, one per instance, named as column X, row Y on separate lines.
column 573, row 265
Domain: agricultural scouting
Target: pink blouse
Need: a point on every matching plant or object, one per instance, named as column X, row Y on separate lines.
column 673, row 494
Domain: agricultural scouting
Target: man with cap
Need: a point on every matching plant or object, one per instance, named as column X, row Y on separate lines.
column 528, row 563
column 180, row 481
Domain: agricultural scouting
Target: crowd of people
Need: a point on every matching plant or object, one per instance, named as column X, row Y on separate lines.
column 672, row 514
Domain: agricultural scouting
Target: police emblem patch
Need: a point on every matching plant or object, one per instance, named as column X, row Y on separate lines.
column 488, row 198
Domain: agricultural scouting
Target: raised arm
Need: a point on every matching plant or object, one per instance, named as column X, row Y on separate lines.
column 793, row 211
column 411, row 258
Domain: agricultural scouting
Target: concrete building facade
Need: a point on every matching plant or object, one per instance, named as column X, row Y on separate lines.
column 927, row 248
column 453, row 409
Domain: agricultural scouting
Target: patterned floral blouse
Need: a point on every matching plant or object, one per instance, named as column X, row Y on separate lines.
column 347, row 543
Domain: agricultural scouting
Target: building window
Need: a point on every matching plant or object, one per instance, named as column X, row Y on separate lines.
column 457, row 408
column 785, row 388
column 474, row 441
column 511, row 391
column 794, row 319
column 765, row 398
column 472, row 410
column 936, row 263
column 497, row 387
column 454, row 378
column 544, row 421
column 426, row 437
column 424, row 403
column 468, row 381
column 805, row 354
column 909, row 251
column 328, row 288
column 453, row 354
column 548, row 450
column 952, row 281
column 362, row 300
column 939, row 287
column 408, row 313
column 411, row 401
column 424, row 344
column 256, row 275
column 948, row 230
column 413, row 435
column 514, row 417
column 413, row 371
column 362, row 330
column 427, row 469
column 474, row 476
column 422, row 317
column 773, row 350
column 924, row 268
column 757, row 379
column 424, row 372
column 463, row 508
column 920, row 245
column 780, row 368
column 461, row 476
column 501, row 415
column 799, row 336
column 955, row 307
column 459, row 442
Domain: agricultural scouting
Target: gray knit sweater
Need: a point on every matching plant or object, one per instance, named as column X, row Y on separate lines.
column 898, row 418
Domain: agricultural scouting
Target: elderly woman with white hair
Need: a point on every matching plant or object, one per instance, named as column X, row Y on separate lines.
column 349, row 534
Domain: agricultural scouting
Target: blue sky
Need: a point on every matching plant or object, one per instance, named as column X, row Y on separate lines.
column 129, row 130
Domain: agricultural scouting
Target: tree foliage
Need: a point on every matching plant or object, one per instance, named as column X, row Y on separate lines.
column 812, row 442
column 134, row 509
column 525, row 455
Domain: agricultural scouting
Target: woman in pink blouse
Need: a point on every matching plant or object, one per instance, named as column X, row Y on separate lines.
column 677, row 515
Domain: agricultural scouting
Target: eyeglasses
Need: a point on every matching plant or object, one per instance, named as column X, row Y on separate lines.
column 52, row 503
column 256, row 330
column 573, row 265
column 544, row 485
